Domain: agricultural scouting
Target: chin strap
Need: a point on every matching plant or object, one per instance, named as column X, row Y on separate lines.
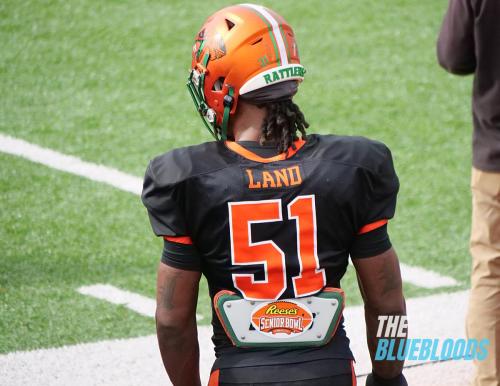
column 228, row 104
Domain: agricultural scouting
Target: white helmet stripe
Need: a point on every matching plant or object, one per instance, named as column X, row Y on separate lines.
column 276, row 31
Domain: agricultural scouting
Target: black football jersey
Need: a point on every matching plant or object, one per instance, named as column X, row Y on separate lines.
column 277, row 227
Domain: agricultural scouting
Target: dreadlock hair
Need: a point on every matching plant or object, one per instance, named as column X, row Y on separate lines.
column 281, row 124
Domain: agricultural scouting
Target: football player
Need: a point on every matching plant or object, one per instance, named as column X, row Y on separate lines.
column 269, row 215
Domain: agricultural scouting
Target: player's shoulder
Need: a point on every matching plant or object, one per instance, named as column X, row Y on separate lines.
column 352, row 150
column 182, row 163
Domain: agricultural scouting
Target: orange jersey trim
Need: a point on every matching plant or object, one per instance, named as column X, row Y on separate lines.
column 254, row 157
column 372, row 226
column 214, row 378
column 179, row 240
column 354, row 380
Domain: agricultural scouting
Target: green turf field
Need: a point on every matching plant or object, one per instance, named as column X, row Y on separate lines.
column 104, row 81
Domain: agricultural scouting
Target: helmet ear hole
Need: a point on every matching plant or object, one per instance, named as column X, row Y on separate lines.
column 229, row 24
column 218, row 84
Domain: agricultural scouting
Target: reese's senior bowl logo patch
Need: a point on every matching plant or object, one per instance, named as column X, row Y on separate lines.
column 282, row 319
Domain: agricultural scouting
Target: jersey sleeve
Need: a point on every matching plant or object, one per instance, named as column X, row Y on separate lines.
column 163, row 197
column 163, row 200
column 181, row 255
column 382, row 186
column 370, row 243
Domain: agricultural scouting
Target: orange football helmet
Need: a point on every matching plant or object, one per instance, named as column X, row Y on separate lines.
column 239, row 49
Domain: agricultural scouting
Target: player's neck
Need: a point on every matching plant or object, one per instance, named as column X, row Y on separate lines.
column 247, row 122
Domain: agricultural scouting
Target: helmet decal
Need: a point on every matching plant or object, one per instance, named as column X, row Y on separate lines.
column 274, row 75
column 217, row 47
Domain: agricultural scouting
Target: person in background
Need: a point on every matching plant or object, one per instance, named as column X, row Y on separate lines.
column 469, row 43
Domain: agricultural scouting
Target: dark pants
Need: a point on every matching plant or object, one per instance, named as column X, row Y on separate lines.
column 231, row 377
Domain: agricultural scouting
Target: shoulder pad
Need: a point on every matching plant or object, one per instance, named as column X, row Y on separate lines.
column 179, row 164
column 357, row 151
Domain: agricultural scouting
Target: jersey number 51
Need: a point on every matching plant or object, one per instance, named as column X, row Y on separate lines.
column 242, row 215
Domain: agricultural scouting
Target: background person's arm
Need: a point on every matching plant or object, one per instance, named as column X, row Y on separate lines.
column 176, row 297
column 455, row 46
column 379, row 279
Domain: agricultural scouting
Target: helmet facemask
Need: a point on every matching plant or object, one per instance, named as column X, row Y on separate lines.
column 195, row 85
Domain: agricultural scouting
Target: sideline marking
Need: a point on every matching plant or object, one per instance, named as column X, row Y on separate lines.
column 414, row 275
column 135, row 302
column 136, row 361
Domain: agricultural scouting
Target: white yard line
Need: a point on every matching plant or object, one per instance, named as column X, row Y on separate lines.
column 414, row 275
column 136, row 361
column 70, row 164
column 425, row 278
column 135, row 302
